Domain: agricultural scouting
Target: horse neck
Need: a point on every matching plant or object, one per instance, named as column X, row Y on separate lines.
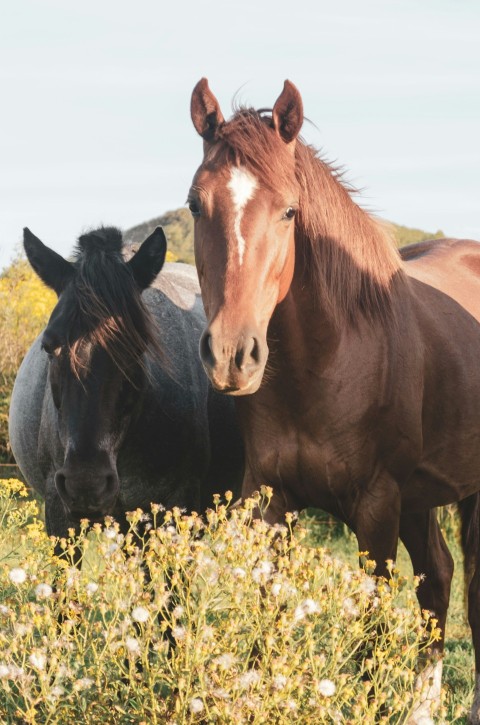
column 301, row 332
column 345, row 254
column 305, row 334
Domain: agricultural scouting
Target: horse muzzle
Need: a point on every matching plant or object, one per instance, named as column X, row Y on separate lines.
column 234, row 367
column 87, row 496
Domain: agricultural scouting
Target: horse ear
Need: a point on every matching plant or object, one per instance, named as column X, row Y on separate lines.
column 148, row 261
column 288, row 112
column 205, row 111
column 52, row 268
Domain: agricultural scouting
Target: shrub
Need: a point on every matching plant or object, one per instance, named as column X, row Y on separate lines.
column 25, row 306
column 266, row 629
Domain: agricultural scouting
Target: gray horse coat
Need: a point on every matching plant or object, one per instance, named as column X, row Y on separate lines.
column 109, row 436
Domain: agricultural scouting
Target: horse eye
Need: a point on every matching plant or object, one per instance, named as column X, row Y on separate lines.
column 194, row 207
column 52, row 350
column 290, row 213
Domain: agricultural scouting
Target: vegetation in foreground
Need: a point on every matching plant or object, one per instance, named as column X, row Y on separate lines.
column 266, row 628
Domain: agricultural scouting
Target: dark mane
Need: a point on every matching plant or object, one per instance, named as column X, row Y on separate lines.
column 107, row 308
column 349, row 256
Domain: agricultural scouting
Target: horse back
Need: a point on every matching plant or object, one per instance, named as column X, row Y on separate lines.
column 451, row 266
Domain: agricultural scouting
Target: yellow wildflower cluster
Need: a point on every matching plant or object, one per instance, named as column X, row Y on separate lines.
column 183, row 619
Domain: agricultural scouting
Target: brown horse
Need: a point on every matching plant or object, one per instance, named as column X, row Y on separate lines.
column 369, row 404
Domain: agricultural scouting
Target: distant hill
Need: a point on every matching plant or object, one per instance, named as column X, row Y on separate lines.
column 406, row 235
column 178, row 226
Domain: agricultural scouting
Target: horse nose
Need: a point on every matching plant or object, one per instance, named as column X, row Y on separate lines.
column 245, row 352
column 231, row 364
column 87, row 494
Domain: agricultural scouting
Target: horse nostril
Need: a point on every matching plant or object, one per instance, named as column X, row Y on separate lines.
column 255, row 353
column 206, row 352
column 248, row 354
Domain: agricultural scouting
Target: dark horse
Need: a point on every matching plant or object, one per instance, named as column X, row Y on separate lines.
column 369, row 406
column 111, row 409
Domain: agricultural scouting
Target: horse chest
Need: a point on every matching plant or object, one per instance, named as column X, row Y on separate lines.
column 314, row 469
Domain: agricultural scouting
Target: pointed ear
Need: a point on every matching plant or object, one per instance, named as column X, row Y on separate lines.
column 148, row 261
column 205, row 111
column 52, row 269
column 287, row 113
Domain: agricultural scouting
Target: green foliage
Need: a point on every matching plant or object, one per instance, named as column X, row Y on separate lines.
column 266, row 628
column 25, row 306
column 178, row 227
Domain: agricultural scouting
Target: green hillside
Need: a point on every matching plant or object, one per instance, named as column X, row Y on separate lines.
column 406, row 235
column 178, row 226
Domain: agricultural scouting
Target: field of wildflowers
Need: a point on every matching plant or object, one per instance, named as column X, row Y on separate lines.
column 239, row 623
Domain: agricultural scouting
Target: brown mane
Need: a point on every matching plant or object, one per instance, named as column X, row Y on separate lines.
column 349, row 255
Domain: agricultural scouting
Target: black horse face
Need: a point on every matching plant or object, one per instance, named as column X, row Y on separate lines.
column 95, row 340
column 93, row 413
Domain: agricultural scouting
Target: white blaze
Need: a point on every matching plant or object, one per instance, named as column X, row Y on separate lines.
column 242, row 186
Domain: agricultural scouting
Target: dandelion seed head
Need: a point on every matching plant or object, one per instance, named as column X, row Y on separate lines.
column 140, row 614
column 43, row 591
column 350, row 608
column 279, row 682
column 57, row 691
column 4, row 671
column 225, row 661
column 179, row 632
column 276, row 589
column 83, row 683
column 262, row 571
column 178, row 611
column 368, row 585
column 38, row 660
column 16, row 673
column 17, row 575
column 248, row 678
column 196, row 705
column 132, row 644
column 298, row 613
column 327, row 688
column 309, row 606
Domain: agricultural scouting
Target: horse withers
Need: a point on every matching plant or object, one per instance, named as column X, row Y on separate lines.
column 111, row 409
column 356, row 370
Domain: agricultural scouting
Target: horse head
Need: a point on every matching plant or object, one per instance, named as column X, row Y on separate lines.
column 244, row 198
column 96, row 341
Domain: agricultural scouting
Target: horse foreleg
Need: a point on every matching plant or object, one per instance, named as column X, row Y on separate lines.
column 375, row 521
column 474, row 620
column 470, row 513
column 433, row 564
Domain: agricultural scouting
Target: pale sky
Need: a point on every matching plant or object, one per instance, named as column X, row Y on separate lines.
column 95, row 123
